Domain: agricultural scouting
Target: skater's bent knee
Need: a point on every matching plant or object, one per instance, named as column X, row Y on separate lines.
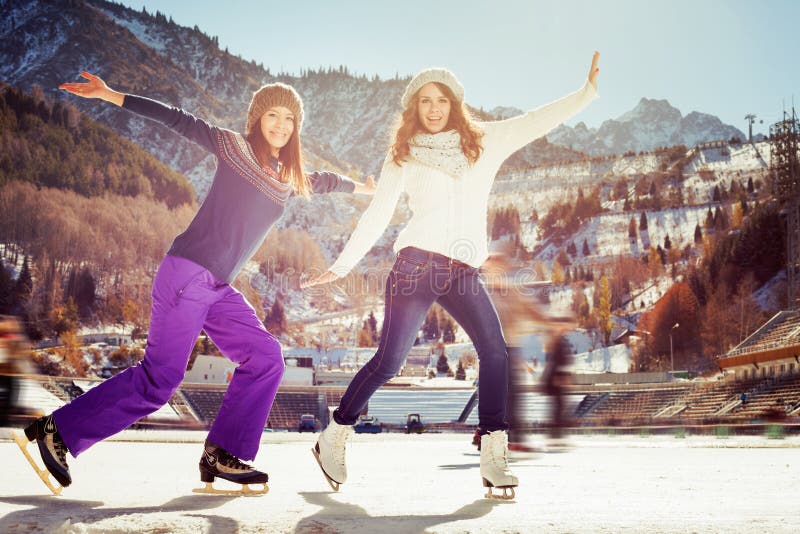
column 267, row 359
column 384, row 372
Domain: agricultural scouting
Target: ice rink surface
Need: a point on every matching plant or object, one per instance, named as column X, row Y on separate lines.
column 418, row 483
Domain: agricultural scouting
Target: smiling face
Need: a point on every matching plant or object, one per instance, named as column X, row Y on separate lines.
column 277, row 126
column 433, row 108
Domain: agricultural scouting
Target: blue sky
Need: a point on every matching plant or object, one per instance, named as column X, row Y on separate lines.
column 727, row 58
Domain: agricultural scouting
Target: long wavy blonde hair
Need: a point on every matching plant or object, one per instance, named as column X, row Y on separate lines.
column 460, row 120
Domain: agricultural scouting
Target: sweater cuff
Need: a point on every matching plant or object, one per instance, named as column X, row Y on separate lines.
column 141, row 105
column 346, row 185
column 591, row 91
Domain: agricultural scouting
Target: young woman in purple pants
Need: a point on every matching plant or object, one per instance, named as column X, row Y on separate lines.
column 256, row 174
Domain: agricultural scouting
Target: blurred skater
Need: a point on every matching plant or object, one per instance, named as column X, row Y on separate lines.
column 521, row 314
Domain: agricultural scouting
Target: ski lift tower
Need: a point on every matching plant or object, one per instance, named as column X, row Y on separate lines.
column 785, row 170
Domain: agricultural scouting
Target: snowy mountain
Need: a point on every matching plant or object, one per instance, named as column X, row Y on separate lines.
column 348, row 118
column 505, row 112
column 651, row 124
column 348, row 127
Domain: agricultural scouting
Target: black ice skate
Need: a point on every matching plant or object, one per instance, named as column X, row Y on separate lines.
column 217, row 462
column 52, row 450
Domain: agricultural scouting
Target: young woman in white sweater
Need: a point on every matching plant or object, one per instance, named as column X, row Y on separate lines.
column 446, row 163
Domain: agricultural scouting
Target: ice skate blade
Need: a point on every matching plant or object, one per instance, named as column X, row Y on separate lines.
column 44, row 474
column 332, row 483
column 506, row 496
column 245, row 491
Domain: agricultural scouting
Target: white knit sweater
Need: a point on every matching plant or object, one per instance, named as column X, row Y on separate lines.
column 449, row 214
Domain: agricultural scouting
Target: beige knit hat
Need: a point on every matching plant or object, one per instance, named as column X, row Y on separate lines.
column 270, row 95
column 439, row 75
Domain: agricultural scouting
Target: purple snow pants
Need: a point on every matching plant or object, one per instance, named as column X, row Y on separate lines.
column 187, row 298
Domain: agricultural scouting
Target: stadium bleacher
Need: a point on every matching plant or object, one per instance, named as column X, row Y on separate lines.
column 634, row 404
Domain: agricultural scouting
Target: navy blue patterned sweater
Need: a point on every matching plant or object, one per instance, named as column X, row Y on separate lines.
column 244, row 201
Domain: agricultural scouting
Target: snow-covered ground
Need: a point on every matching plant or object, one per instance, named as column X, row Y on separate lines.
column 418, row 483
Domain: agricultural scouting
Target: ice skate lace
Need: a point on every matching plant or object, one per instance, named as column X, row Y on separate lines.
column 500, row 450
column 339, row 440
column 60, row 448
column 231, row 461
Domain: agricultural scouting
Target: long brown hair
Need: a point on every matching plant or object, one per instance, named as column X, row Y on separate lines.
column 460, row 120
column 290, row 155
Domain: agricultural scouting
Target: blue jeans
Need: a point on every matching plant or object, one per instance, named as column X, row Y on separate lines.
column 417, row 280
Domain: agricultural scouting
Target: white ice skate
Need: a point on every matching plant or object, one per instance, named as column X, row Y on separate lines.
column 494, row 465
column 329, row 452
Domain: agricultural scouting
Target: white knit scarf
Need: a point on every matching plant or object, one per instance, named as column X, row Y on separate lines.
column 441, row 151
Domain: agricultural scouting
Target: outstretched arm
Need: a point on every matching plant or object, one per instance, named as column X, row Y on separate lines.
column 330, row 182
column 371, row 225
column 184, row 123
column 512, row 134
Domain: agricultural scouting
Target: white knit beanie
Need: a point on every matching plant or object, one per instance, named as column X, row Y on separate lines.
column 439, row 75
column 271, row 95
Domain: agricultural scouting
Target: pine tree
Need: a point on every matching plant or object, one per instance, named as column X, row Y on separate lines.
column 580, row 306
column 562, row 259
column 373, row 327
column 275, row 320
column 709, row 223
column 6, row 289
column 364, row 336
column 460, row 373
column 667, row 242
column 632, row 228
column 571, row 250
column 720, row 219
column 603, row 310
column 662, row 255
column 84, row 292
column 442, row 366
column 643, row 222
column 585, row 250
column 23, row 287
column 448, row 333
column 654, row 262
column 430, row 327
column 698, row 234
column 557, row 275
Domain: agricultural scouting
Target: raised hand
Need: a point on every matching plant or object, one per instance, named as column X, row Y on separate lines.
column 594, row 69
column 94, row 88
column 368, row 187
